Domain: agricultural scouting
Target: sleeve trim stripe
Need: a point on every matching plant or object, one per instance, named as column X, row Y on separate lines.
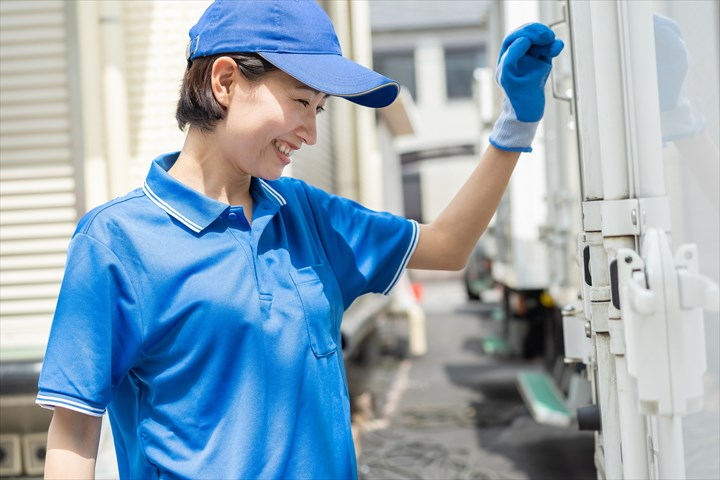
column 408, row 253
column 51, row 402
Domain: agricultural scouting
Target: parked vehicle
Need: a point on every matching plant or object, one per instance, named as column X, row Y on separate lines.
column 614, row 217
column 477, row 276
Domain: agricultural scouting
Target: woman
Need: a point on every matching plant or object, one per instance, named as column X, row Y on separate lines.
column 203, row 310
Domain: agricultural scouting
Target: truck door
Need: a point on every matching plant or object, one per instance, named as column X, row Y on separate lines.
column 636, row 120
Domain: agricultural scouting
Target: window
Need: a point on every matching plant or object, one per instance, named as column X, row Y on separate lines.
column 398, row 65
column 460, row 63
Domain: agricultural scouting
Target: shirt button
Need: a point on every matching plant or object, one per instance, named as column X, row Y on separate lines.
column 232, row 216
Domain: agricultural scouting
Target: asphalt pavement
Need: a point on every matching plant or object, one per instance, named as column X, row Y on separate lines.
column 455, row 413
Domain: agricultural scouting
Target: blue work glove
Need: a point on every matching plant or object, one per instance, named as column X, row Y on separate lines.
column 679, row 118
column 523, row 68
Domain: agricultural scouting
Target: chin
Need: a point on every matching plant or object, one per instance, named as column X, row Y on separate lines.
column 272, row 175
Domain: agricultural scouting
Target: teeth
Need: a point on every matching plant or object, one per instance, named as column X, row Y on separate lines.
column 286, row 150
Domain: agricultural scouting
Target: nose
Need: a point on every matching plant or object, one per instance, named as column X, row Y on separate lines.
column 308, row 129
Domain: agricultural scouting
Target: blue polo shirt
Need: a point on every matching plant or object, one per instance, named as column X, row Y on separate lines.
column 215, row 345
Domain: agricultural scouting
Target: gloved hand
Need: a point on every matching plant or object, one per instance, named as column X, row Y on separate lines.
column 679, row 118
column 523, row 68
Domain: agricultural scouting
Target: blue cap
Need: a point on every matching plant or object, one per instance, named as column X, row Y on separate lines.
column 296, row 36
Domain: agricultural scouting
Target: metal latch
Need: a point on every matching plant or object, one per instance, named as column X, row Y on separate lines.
column 661, row 299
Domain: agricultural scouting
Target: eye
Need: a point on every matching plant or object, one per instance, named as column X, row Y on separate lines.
column 305, row 103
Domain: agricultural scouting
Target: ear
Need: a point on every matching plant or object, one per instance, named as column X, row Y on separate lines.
column 224, row 73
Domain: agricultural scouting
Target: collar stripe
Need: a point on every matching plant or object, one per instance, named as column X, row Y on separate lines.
column 170, row 210
column 406, row 257
column 273, row 192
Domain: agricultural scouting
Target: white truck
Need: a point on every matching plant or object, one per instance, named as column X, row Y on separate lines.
column 622, row 253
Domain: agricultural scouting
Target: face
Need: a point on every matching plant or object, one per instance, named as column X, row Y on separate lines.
column 267, row 121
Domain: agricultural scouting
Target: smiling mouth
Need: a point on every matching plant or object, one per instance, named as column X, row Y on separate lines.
column 284, row 148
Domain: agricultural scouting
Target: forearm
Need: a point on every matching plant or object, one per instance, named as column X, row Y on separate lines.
column 64, row 463
column 446, row 243
column 523, row 68
column 72, row 445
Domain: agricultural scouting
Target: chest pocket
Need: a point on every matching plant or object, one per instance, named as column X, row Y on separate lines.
column 319, row 312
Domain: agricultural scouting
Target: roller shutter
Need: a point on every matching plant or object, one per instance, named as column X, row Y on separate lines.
column 39, row 194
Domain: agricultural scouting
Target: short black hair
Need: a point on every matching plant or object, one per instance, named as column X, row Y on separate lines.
column 197, row 105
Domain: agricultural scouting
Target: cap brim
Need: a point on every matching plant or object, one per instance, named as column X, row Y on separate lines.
column 337, row 76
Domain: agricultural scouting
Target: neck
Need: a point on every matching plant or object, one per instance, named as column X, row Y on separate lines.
column 202, row 167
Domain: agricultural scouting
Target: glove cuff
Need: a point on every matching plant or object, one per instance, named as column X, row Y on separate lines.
column 511, row 134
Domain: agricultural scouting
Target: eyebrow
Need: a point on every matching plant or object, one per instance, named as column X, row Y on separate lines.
column 302, row 86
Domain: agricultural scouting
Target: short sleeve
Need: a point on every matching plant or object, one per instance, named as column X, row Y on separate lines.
column 368, row 250
column 96, row 334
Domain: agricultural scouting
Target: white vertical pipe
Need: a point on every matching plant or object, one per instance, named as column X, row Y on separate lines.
column 343, row 112
column 94, row 171
column 641, row 97
column 607, row 398
column 633, row 432
column 645, row 157
column 609, row 100
column 587, row 121
column 115, row 96
column 671, row 459
column 368, row 152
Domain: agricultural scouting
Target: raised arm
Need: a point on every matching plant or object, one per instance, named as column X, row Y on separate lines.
column 446, row 243
column 523, row 68
column 72, row 445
